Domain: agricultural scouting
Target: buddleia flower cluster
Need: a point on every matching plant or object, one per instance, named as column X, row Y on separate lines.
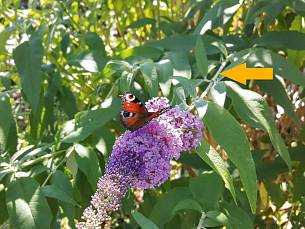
column 141, row 159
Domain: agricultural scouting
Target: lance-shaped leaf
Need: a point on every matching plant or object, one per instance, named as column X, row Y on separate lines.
column 282, row 67
column 283, row 39
column 28, row 59
column 252, row 108
column 201, row 57
column 210, row 156
column 229, row 135
column 277, row 89
column 8, row 138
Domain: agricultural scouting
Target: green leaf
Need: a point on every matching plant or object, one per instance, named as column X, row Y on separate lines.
column 149, row 73
column 3, row 208
column 201, row 107
column 181, row 64
column 238, row 219
column 91, row 61
column 200, row 187
column 60, row 180
column 143, row 222
column 60, row 188
column 89, row 121
column 103, row 140
column 165, row 71
column 229, row 135
column 277, row 89
column 201, row 57
column 210, row 156
column 162, row 211
column 282, row 67
column 180, row 43
column 8, row 136
column 297, row 5
column 189, row 84
column 141, row 53
column 217, row 16
column 67, row 101
column 88, row 163
column 125, row 81
column 4, row 36
column 282, row 40
column 95, row 43
column 270, row 8
column 267, row 169
column 214, row 219
column 218, row 93
column 28, row 59
column 252, row 108
column 142, row 22
column 27, row 207
column 188, row 204
column 56, row 192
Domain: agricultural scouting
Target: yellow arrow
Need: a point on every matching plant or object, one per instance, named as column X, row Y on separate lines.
column 241, row 73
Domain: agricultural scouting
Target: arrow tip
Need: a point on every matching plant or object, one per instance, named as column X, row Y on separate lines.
column 234, row 74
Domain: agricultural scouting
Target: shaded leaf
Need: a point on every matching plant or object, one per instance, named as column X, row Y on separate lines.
column 188, row 204
column 150, row 76
column 277, row 90
column 165, row 73
column 200, row 187
column 238, row 219
column 88, row 122
column 162, row 210
column 201, row 57
column 8, row 136
column 28, row 59
column 27, row 207
column 282, row 40
column 143, row 222
column 88, row 163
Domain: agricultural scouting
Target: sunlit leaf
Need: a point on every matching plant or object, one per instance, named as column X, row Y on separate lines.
column 228, row 133
column 252, row 108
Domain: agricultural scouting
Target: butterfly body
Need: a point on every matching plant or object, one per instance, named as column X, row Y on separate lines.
column 134, row 115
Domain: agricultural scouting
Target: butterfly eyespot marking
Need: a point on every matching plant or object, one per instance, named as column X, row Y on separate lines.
column 127, row 114
column 130, row 97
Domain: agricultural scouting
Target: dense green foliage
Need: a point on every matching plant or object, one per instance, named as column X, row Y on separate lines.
column 63, row 65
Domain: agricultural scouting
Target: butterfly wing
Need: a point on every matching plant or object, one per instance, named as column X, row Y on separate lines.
column 134, row 114
column 134, row 121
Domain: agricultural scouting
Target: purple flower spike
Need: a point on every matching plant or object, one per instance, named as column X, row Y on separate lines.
column 141, row 159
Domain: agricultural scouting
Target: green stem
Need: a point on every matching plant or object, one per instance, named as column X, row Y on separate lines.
column 206, row 91
column 158, row 19
column 51, row 173
column 40, row 159
column 120, row 30
column 201, row 221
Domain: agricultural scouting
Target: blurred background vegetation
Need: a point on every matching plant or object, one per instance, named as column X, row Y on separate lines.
column 63, row 65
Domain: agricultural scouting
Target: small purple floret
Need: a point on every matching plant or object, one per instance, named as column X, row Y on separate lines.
column 141, row 159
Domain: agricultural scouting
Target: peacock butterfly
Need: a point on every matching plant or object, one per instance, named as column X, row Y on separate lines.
column 134, row 114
